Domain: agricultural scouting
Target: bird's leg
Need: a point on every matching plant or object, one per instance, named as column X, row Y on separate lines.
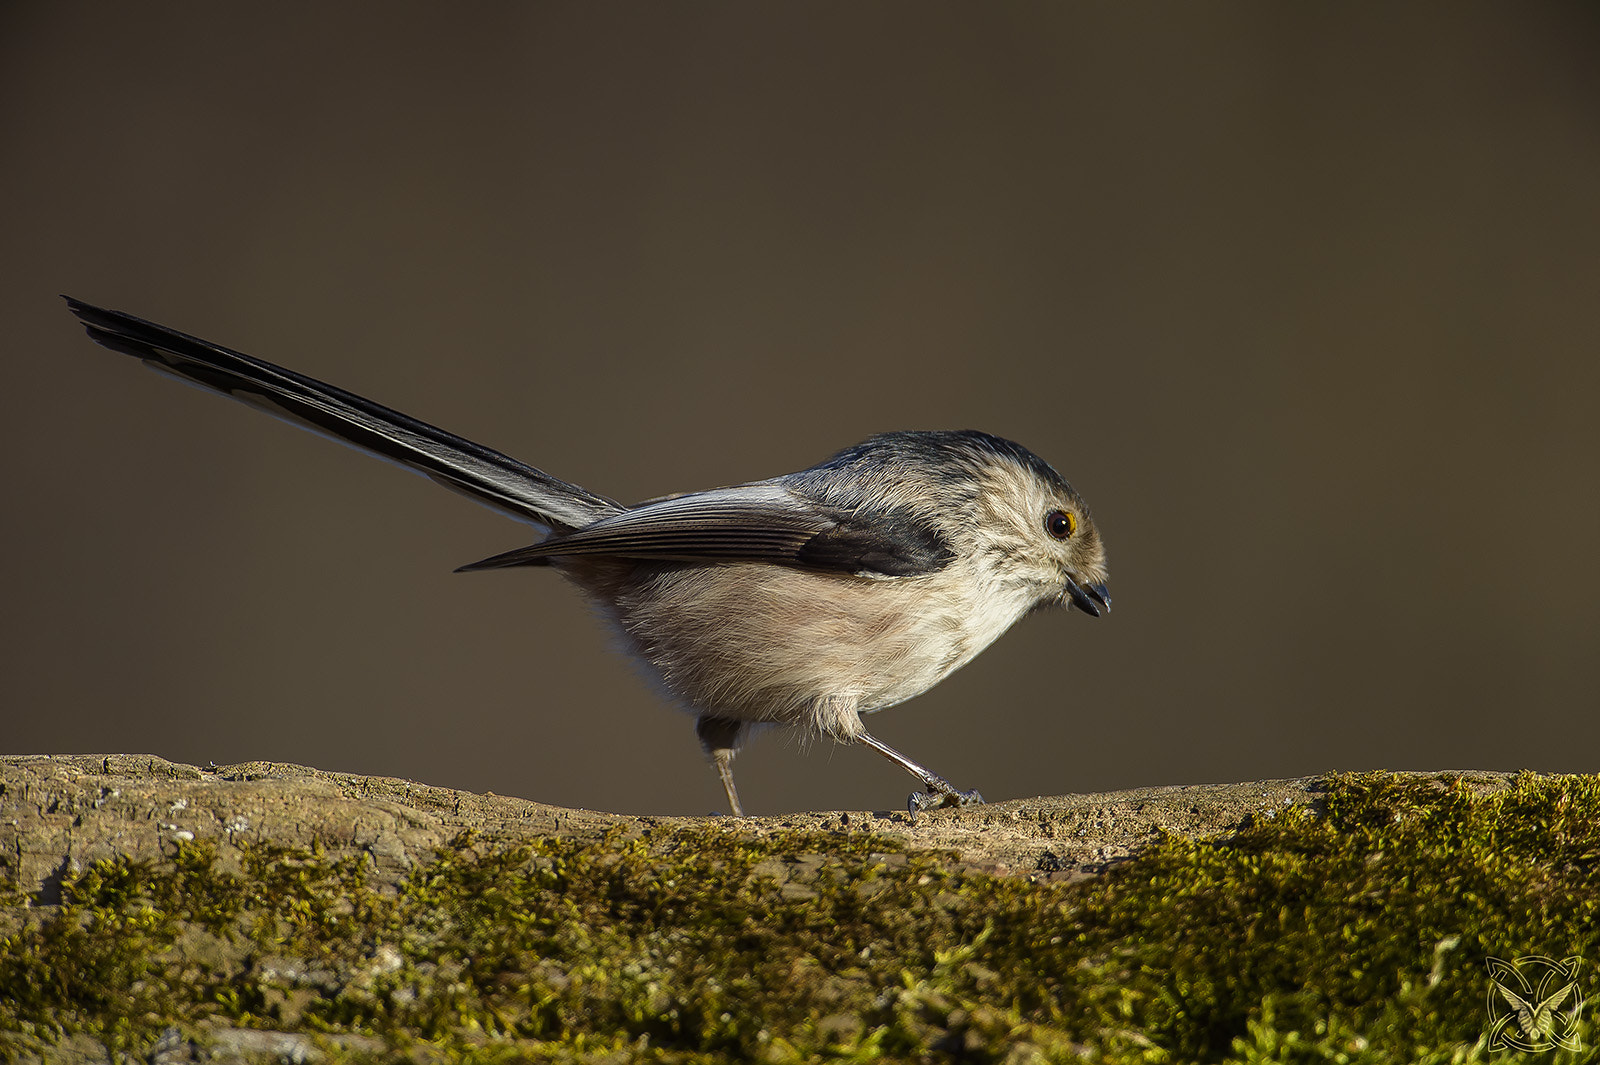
column 940, row 791
column 720, row 737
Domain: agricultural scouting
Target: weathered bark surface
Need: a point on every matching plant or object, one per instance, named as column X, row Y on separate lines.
column 59, row 814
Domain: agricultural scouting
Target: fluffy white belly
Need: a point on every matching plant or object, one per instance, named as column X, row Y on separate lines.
column 763, row 643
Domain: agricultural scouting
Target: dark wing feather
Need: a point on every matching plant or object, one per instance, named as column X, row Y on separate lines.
column 490, row 477
column 762, row 522
column 890, row 545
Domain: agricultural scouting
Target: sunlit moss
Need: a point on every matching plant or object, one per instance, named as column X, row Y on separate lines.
column 1355, row 933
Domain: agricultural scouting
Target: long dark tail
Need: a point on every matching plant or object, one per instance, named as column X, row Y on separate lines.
column 496, row 480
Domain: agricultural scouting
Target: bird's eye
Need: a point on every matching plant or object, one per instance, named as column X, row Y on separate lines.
column 1060, row 524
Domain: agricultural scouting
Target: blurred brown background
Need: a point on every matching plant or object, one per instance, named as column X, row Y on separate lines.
column 1305, row 300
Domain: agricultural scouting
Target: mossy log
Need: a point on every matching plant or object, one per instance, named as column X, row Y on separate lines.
column 159, row 912
column 60, row 814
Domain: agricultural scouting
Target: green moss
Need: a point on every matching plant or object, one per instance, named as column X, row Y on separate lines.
column 1359, row 933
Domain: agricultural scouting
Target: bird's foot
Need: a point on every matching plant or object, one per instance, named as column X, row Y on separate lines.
column 933, row 800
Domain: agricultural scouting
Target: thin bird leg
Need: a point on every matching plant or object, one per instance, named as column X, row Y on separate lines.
column 720, row 737
column 722, row 762
column 940, row 791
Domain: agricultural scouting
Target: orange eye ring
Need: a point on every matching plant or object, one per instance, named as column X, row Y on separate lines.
column 1060, row 524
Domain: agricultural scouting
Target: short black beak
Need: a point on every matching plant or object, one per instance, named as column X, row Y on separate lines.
column 1088, row 598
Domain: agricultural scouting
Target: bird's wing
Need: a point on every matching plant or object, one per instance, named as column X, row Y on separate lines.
column 761, row 522
column 491, row 478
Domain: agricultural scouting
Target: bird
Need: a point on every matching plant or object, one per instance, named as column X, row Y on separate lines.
column 805, row 600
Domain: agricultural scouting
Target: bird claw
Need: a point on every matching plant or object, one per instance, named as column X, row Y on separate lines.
column 933, row 800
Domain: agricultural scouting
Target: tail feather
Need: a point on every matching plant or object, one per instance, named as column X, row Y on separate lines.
column 494, row 479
